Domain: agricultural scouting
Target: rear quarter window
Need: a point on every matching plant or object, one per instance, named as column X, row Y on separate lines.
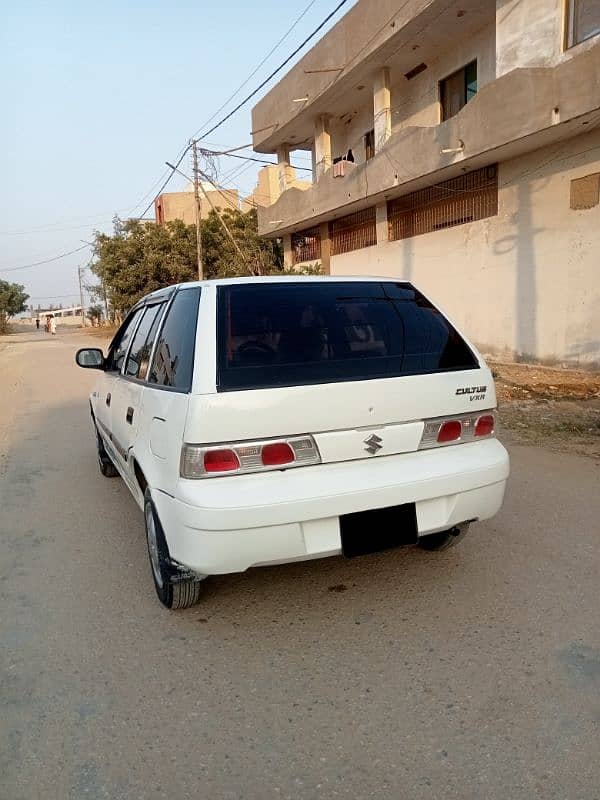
column 290, row 334
column 173, row 361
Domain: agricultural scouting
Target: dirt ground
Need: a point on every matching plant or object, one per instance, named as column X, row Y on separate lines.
column 554, row 407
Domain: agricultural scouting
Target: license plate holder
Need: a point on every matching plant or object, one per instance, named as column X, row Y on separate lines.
column 378, row 529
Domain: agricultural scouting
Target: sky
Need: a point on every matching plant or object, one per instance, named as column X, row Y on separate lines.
column 97, row 96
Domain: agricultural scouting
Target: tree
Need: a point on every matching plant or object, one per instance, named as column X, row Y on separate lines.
column 253, row 255
column 94, row 314
column 140, row 257
column 12, row 301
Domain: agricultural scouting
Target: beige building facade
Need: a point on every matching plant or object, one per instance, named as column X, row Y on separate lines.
column 182, row 205
column 456, row 145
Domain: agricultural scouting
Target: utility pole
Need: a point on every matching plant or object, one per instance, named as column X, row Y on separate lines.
column 198, row 207
column 79, row 271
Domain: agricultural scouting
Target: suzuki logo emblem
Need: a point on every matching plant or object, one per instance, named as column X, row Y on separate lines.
column 373, row 444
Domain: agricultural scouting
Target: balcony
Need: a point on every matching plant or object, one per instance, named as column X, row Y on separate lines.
column 521, row 111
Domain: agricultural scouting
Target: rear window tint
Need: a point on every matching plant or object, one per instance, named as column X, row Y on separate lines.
column 290, row 334
column 173, row 361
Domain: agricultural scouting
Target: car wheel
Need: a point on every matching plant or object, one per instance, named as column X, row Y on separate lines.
column 175, row 588
column 443, row 539
column 107, row 468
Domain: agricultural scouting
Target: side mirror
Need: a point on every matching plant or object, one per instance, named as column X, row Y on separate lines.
column 90, row 358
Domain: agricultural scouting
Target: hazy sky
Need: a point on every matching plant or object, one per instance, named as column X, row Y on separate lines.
column 96, row 96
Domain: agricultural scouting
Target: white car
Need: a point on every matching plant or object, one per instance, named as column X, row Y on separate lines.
column 266, row 420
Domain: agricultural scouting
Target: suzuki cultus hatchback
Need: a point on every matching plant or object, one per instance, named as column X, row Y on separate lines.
column 265, row 420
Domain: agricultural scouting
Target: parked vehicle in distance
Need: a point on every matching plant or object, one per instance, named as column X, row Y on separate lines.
column 259, row 421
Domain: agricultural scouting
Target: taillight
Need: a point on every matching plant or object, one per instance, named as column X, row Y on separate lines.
column 461, row 428
column 485, row 425
column 221, row 461
column 276, row 454
column 210, row 461
column 449, row 431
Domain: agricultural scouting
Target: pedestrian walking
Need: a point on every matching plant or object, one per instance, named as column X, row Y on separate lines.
column 37, row 323
column 52, row 326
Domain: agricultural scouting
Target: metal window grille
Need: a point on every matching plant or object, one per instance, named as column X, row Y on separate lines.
column 353, row 232
column 455, row 202
column 306, row 245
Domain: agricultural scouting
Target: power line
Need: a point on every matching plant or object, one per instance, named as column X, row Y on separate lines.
column 165, row 182
column 238, row 170
column 53, row 296
column 244, row 101
column 45, row 261
column 251, row 158
column 62, row 226
column 264, row 61
column 149, row 192
column 275, row 72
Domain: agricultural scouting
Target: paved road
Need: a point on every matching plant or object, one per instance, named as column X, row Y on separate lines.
column 471, row 674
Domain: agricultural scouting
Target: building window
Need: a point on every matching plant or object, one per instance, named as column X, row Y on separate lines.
column 457, row 89
column 583, row 21
column 455, row 202
column 353, row 232
column 306, row 245
column 369, row 144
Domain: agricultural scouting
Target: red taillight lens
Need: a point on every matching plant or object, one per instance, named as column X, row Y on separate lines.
column 449, row 431
column 221, row 461
column 484, row 425
column 273, row 455
column 242, row 458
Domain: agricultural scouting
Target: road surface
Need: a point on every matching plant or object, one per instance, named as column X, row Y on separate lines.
column 405, row 675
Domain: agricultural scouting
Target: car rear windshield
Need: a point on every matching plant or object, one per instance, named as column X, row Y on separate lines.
column 295, row 333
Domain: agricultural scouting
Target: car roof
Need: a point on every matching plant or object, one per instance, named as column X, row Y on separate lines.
column 292, row 279
column 166, row 292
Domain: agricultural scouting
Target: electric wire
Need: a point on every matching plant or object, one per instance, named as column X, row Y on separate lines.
column 273, row 73
column 249, row 97
column 45, row 260
column 252, row 158
column 262, row 63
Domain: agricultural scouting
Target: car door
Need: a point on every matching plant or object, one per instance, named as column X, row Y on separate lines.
column 128, row 393
column 166, row 395
column 107, row 385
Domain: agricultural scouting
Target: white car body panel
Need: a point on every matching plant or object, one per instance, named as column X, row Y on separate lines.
column 347, row 406
column 266, row 518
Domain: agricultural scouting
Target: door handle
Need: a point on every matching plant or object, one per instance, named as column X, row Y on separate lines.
column 129, row 415
column 108, row 399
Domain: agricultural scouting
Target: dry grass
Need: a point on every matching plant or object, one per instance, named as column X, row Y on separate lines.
column 554, row 407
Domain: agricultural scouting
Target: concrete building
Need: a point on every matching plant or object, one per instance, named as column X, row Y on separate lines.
column 182, row 205
column 456, row 144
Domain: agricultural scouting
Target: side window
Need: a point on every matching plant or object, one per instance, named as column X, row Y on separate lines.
column 121, row 342
column 174, row 356
column 583, row 21
column 457, row 89
column 141, row 347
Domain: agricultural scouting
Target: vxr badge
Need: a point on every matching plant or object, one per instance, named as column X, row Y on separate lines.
column 373, row 444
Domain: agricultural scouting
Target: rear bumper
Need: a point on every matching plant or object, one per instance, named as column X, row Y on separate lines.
column 228, row 524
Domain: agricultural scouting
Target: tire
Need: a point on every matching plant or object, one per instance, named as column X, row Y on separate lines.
column 444, row 539
column 175, row 588
column 107, row 468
